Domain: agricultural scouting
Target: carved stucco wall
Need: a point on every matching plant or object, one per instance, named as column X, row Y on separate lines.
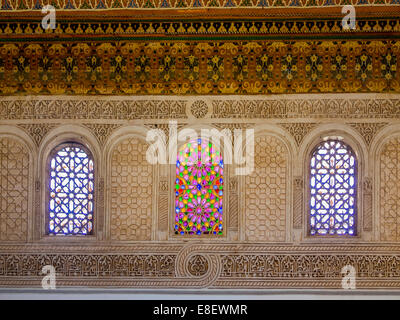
column 131, row 191
column 389, row 192
column 265, row 242
column 14, row 190
column 266, row 192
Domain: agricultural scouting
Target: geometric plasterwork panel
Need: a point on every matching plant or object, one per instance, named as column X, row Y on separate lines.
column 389, row 193
column 14, row 190
column 265, row 209
column 131, row 191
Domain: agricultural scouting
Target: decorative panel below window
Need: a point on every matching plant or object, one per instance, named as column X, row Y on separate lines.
column 199, row 189
column 333, row 189
column 71, row 191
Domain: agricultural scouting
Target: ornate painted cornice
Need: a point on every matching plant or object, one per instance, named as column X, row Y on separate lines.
column 84, row 5
column 284, row 49
column 379, row 22
column 199, row 67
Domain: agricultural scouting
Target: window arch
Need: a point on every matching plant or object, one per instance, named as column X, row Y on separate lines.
column 199, row 189
column 71, row 190
column 333, row 188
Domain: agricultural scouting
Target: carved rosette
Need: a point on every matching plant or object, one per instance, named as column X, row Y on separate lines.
column 195, row 263
column 199, row 109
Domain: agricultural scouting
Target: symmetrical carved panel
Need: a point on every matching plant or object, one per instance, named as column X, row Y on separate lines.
column 389, row 193
column 102, row 131
column 14, row 190
column 38, row 131
column 298, row 130
column 131, row 191
column 266, row 191
column 368, row 130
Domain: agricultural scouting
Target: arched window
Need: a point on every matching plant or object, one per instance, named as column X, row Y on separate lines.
column 71, row 190
column 199, row 189
column 333, row 186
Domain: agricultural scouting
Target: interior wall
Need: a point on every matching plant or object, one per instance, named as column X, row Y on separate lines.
column 265, row 243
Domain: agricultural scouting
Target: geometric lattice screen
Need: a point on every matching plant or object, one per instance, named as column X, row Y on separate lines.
column 333, row 188
column 71, row 191
column 199, row 189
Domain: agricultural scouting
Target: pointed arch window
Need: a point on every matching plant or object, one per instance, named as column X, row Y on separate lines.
column 199, row 189
column 71, row 190
column 333, row 187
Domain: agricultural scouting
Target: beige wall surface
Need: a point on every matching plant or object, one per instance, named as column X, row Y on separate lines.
column 265, row 241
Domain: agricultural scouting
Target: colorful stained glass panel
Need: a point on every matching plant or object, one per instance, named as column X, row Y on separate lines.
column 71, row 192
column 333, row 189
column 199, row 189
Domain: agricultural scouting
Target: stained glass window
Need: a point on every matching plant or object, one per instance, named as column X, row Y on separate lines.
column 199, row 189
column 71, row 191
column 333, row 189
